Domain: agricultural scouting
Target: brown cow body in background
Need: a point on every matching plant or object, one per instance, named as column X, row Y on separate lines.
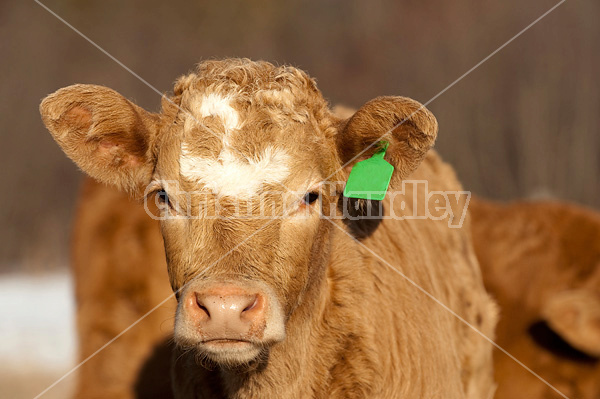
column 541, row 262
column 120, row 275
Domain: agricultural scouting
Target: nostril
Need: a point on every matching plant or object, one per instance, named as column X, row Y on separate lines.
column 252, row 305
column 201, row 306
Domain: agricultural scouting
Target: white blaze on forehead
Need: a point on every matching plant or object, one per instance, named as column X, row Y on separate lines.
column 229, row 175
column 217, row 105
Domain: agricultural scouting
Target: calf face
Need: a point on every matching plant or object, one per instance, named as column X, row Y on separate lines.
column 244, row 161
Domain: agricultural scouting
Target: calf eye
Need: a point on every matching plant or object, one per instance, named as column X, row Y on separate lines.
column 309, row 198
column 163, row 198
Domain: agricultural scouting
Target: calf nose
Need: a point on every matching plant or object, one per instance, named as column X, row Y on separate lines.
column 227, row 312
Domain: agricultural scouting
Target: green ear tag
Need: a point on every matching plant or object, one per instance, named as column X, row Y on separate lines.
column 369, row 179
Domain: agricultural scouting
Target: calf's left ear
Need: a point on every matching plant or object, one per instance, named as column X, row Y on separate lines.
column 107, row 136
column 408, row 127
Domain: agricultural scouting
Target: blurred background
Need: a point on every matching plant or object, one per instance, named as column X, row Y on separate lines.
column 525, row 124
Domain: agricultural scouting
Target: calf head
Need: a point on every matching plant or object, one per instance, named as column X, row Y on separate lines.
column 236, row 141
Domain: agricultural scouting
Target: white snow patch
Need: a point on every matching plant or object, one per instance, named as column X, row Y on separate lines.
column 37, row 322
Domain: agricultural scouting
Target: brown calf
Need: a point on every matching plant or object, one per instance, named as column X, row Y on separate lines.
column 541, row 261
column 292, row 305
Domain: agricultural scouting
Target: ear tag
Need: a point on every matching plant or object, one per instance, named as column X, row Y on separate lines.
column 369, row 179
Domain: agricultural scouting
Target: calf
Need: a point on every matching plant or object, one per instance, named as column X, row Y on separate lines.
column 541, row 261
column 301, row 304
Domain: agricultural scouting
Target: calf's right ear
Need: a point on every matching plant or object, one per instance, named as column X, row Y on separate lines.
column 107, row 136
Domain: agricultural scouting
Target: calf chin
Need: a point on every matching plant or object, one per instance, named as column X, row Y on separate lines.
column 225, row 354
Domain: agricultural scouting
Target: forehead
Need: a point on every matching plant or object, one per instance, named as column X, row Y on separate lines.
column 247, row 126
